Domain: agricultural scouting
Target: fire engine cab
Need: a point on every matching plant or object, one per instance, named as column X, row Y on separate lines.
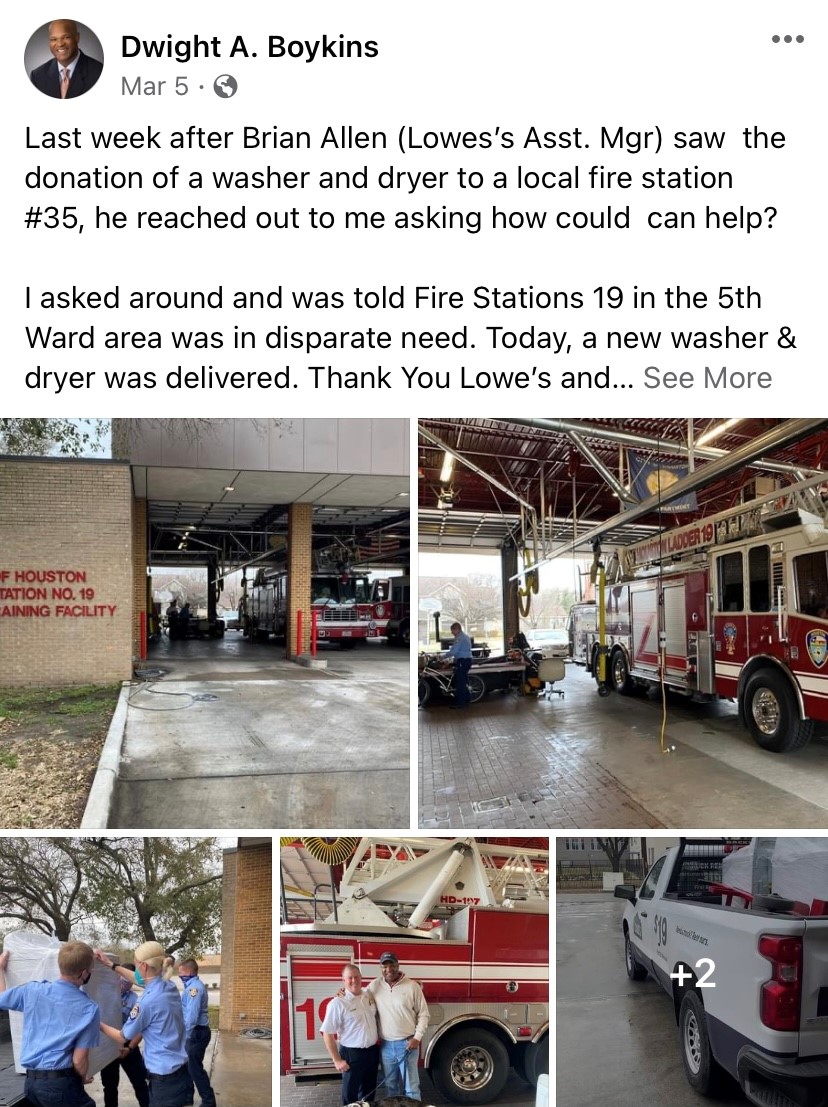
column 731, row 606
column 469, row 922
column 341, row 603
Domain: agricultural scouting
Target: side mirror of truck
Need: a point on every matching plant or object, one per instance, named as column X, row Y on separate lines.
column 625, row 891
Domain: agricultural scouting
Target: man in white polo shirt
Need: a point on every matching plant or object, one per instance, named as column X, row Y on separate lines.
column 349, row 1031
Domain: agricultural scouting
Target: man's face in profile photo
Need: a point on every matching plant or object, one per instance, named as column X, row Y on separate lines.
column 63, row 40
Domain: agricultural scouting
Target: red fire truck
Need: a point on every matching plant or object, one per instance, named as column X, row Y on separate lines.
column 470, row 922
column 730, row 606
column 391, row 597
column 344, row 607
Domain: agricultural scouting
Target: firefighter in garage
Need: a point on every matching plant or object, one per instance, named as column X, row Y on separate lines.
column 349, row 1031
column 461, row 651
column 159, row 1020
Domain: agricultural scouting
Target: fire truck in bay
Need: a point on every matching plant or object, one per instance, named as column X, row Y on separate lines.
column 732, row 606
column 391, row 597
column 582, row 625
column 469, row 922
column 346, row 611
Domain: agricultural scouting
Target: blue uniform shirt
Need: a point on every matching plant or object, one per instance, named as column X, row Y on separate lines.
column 194, row 1005
column 157, row 1015
column 128, row 1001
column 462, row 646
column 58, row 1018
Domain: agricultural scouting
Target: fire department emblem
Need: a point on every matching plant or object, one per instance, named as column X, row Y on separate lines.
column 193, row 992
column 729, row 631
column 816, row 642
column 135, row 1012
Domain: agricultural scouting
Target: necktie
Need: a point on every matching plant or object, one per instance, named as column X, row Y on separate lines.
column 64, row 84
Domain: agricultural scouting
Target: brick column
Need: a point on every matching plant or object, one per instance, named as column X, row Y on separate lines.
column 139, row 572
column 299, row 563
column 247, row 938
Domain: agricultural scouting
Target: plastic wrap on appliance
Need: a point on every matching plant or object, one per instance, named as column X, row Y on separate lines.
column 34, row 956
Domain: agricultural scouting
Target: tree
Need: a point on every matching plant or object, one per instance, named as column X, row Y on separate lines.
column 126, row 890
column 614, row 848
column 40, row 437
column 166, row 890
column 40, row 884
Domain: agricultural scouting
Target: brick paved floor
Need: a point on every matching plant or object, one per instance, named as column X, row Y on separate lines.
column 325, row 1093
column 583, row 761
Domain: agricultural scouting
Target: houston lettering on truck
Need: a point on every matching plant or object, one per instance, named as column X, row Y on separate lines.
column 43, row 588
column 473, row 931
column 732, row 606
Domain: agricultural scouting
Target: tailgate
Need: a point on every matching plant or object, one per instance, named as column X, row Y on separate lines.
column 813, row 1040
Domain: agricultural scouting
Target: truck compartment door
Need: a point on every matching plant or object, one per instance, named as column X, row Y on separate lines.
column 313, row 980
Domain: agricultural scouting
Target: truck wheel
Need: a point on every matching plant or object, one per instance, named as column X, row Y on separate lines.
column 477, row 689
column 423, row 691
column 772, row 713
column 471, row 1066
column 404, row 636
column 536, row 1061
column 700, row 1067
column 634, row 970
column 619, row 673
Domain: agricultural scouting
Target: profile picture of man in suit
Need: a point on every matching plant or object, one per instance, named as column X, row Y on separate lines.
column 69, row 72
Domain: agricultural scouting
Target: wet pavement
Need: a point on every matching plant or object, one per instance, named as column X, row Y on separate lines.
column 326, row 1093
column 617, row 1042
column 584, row 761
column 227, row 734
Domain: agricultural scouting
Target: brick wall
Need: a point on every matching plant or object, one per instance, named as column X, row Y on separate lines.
column 300, row 563
column 247, row 937
column 67, row 517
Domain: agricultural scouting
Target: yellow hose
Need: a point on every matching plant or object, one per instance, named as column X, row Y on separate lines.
column 333, row 851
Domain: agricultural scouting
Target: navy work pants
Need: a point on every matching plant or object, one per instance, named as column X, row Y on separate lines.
column 196, row 1046
column 173, row 1090
column 461, row 680
column 360, row 1081
column 133, row 1066
column 57, row 1089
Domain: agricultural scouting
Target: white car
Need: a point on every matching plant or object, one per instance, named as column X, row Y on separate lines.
column 552, row 643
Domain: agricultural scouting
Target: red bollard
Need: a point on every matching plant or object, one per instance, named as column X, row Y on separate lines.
column 298, row 633
column 143, row 621
column 314, row 617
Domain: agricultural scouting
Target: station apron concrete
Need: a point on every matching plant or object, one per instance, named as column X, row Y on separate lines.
column 327, row 1092
column 617, row 1043
column 233, row 736
column 584, row 761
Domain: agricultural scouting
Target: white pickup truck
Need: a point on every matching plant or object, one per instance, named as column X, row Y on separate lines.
column 747, row 969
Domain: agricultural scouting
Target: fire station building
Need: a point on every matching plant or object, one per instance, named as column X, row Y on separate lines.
column 78, row 536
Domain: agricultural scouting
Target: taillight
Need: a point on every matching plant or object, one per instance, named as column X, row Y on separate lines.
column 782, row 994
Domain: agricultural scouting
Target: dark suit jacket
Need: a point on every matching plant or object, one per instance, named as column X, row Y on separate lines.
column 47, row 76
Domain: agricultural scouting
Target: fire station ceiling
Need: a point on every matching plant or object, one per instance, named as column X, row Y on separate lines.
column 577, row 472
column 240, row 513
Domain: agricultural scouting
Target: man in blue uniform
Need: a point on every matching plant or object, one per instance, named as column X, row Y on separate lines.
column 196, row 1027
column 461, row 651
column 60, row 1026
column 130, row 1059
column 157, row 1018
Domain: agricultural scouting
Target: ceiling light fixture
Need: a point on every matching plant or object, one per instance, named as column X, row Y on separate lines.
column 714, row 432
column 448, row 468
